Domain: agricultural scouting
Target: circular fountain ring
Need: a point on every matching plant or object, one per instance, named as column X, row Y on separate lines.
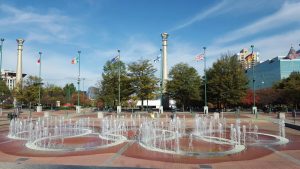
column 118, row 139
column 34, row 145
column 16, row 136
column 280, row 140
column 236, row 148
column 217, row 140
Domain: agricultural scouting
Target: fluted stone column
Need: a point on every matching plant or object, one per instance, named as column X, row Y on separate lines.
column 19, row 76
column 19, row 63
column 164, row 58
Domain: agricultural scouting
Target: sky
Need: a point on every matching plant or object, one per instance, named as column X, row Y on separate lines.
column 98, row 28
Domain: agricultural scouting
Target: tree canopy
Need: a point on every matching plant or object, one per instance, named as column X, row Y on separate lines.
column 226, row 82
column 4, row 91
column 30, row 91
column 142, row 79
column 184, row 85
column 290, row 89
column 109, row 86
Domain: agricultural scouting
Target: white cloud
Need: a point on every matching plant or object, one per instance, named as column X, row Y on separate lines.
column 288, row 14
column 201, row 16
column 226, row 7
column 48, row 27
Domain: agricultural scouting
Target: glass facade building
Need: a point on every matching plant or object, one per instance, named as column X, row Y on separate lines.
column 271, row 71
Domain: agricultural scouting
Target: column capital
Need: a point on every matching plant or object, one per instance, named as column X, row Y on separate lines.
column 20, row 41
column 164, row 36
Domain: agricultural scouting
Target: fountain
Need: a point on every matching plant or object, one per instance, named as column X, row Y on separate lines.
column 163, row 135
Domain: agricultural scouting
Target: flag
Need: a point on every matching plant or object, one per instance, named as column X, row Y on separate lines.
column 115, row 59
column 74, row 60
column 199, row 57
column 39, row 61
column 157, row 59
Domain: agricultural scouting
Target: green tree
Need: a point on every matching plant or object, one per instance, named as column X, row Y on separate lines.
column 52, row 94
column 5, row 93
column 29, row 94
column 143, row 80
column 109, row 86
column 226, row 82
column 184, row 85
column 84, row 100
column 290, row 89
column 69, row 89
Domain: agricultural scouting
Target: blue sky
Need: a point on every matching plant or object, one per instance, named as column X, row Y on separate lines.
column 98, row 28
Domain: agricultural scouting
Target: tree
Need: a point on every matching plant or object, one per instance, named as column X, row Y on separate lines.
column 84, row 100
column 29, row 94
column 184, row 85
column 226, row 82
column 52, row 94
column 143, row 80
column 5, row 93
column 109, row 86
column 69, row 89
column 290, row 88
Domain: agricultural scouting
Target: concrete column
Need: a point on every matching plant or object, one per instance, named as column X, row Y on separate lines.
column 19, row 63
column 164, row 59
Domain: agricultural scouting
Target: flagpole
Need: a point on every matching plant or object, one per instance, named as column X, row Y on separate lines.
column 161, row 78
column 40, row 80
column 78, row 103
column 119, row 78
column 205, row 97
column 2, row 40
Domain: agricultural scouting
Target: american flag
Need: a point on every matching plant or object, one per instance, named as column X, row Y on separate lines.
column 115, row 59
column 157, row 59
column 199, row 57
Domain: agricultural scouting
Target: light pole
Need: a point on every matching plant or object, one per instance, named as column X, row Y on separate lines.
column 40, row 80
column 83, row 93
column 158, row 58
column 78, row 92
column 254, row 110
column 119, row 80
column 161, row 82
column 2, row 40
column 205, row 97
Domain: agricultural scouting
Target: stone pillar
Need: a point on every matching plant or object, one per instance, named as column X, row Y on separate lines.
column 19, row 63
column 78, row 109
column 39, row 108
column 164, row 59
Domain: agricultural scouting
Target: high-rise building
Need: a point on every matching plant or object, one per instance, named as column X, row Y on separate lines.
column 248, row 59
column 10, row 78
column 267, row 73
column 92, row 93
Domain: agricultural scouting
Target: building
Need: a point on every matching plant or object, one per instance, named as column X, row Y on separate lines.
column 247, row 58
column 10, row 78
column 92, row 93
column 267, row 73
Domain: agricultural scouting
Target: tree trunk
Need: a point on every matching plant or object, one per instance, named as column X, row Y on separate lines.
column 147, row 105
column 142, row 104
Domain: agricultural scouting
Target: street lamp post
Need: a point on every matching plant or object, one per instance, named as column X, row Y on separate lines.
column 119, row 81
column 254, row 109
column 205, row 96
column 78, row 83
column 161, row 83
column 2, row 40
column 39, row 106
column 40, row 81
